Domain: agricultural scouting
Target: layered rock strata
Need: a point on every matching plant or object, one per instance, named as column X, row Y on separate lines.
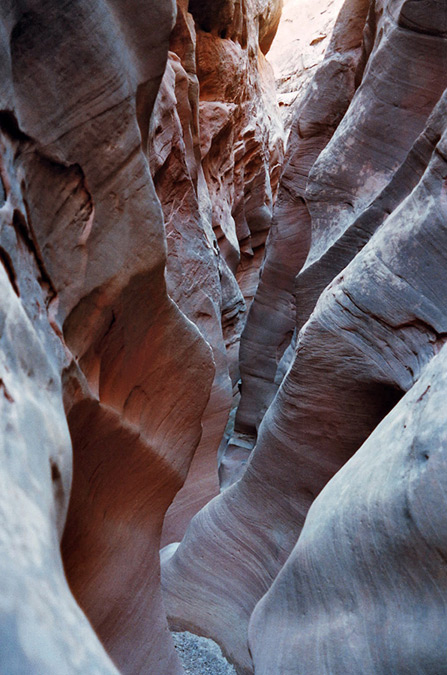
column 91, row 311
column 119, row 326
column 266, row 340
column 364, row 588
column 363, row 340
column 216, row 147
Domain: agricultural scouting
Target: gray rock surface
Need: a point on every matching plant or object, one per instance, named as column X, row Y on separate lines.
column 327, row 552
column 368, row 321
column 85, row 315
column 42, row 629
column 365, row 588
column 272, row 318
column 201, row 656
column 298, row 48
column 92, row 331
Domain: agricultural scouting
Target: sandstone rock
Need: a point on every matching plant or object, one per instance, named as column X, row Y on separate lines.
column 193, row 257
column 364, row 588
column 299, row 47
column 272, row 319
column 42, row 629
column 123, row 300
column 366, row 342
column 318, row 210
column 77, row 97
column 81, row 88
column 391, row 107
column 215, row 151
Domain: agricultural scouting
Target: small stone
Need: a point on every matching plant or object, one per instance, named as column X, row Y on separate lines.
column 200, row 655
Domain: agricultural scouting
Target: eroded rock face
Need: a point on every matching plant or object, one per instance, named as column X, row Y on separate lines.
column 328, row 209
column 138, row 379
column 42, row 629
column 215, row 152
column 378, row 526
column 368, row 320
column 94, row 313
column 266, row 348
column 132, row 229
column 303, row 37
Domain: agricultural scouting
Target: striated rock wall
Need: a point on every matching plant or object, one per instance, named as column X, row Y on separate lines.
column 363, row 198
column 302, row 40
column 364, row 588
column 266, row 344
column 216, row 147
column 140, row 159
column 42, row 629
column 85, row 312
column 123, row 308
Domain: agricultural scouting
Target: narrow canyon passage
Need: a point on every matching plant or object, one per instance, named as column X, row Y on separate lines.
column 223, row 316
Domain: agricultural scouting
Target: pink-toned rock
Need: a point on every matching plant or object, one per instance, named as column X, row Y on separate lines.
column 42, row 629
column 132, row 229
column 272, row 319
column 364, row 343
column 193, row 257
column 364, row 587
column 215, row 151
column 81, row 88
column 298, row 48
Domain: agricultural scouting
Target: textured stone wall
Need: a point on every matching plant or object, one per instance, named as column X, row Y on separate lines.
column 353, row 279
column 143, row 194
column 302, row 40
column 87, row 321
column 216, row 148
column 140, row 156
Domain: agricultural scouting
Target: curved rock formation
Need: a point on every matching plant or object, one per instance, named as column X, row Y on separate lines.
column 140, row 152
column 364, row 588
column 272, row 320
column 216, row 147
column 42, row 629
column 373, row 329
column 77, row 97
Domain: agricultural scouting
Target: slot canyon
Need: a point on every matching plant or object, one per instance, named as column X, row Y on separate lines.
column 223, row 328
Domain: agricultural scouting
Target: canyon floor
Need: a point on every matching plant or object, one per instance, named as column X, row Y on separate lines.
column 201, row 656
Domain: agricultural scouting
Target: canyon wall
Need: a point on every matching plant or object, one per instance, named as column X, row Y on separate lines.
column 141, row 147
column 360, row 220
column 364, row 589
column 89, row 323
column 300, row 44
column 216, row 148
column 182, row 305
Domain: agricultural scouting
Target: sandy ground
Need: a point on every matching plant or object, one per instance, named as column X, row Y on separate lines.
column 201, row 656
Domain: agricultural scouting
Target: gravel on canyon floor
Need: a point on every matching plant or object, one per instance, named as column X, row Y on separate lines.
column 201, row 656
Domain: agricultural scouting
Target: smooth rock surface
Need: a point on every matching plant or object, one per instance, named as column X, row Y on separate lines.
column 42, row 629
column 378, row 322
column 140, row 157
column 272, row 319
column 78, row 87
column 365, row 587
